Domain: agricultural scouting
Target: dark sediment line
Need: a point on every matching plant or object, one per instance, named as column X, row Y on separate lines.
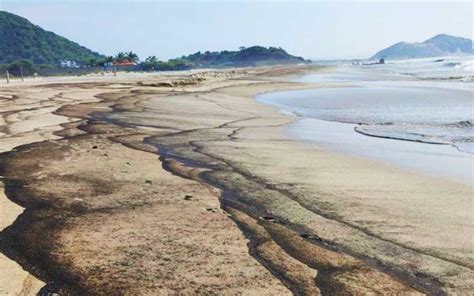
column 268, row 234
column 21, row 241
column 368, row 134
column 233, row 198
column 17, row 239
column 220, row 167
column 229, row 194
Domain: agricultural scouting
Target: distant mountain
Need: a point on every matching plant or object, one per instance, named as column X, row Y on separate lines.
column 439, row 45
column 250, row 56
column 20, row 39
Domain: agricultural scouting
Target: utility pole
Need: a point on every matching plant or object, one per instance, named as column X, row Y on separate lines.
column 21, row 72
column 8, row 77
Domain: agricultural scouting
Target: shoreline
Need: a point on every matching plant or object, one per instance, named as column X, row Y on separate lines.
column 437, row 160
column 219, row 127
column 369, row 233
column 334, row 129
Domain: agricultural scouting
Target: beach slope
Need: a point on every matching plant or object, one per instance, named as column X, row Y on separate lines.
column 160, row 184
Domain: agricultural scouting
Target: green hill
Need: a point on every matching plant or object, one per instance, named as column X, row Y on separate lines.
column 20, row 39
column 251, row 56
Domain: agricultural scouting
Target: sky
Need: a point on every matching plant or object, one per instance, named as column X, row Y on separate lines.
column 312, row 29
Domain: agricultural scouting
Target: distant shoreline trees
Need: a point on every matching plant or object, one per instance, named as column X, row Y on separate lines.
column 120, row 57
column 129, row 61
column 21, row 67
column 153, row 64
column 244, row 57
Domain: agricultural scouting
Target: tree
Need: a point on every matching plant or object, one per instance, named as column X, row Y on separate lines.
column 120, row 56
column 151, row 60
column 132, row 57
column 150, row 63
column 92, row 62
column 21, row 66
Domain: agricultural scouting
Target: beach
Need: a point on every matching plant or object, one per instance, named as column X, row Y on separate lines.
column 184, row 183
column 413, row 123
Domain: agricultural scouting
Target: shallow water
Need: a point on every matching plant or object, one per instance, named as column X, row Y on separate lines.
column 446, row 68
column 395, row 109
column 435, row 160
column 389, row 108
column 452, row 68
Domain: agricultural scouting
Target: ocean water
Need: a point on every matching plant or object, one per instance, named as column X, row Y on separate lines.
column 453, row 68
column 404, row 110
column 403, row 102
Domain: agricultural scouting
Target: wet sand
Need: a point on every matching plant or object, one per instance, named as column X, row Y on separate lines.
column 192, row 188
column 435, row 160
column 416, row 125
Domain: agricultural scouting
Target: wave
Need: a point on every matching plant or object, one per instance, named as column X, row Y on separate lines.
column 467, row 65
column 461, row 65
column 461, row 124
column 459, row 68
column 458, row 134
column 452, row 64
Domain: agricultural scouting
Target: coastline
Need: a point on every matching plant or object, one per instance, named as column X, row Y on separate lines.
column 215, row 133
column 389, row 112
column 443, row 161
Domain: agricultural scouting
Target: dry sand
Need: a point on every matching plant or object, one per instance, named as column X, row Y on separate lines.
column 105, row 214
column 14, row 280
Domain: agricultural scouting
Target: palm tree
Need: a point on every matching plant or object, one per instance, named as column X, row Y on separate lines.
column 152, row 60
column 109, row 59
column 132, row 57
column 120, row 57
column 150, row 63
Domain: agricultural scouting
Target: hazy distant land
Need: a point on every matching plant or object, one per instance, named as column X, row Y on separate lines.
column 437, row 46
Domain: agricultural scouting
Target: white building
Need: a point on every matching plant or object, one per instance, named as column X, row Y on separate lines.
column 68, row 64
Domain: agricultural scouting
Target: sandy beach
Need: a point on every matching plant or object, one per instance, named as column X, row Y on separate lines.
column 183, row 183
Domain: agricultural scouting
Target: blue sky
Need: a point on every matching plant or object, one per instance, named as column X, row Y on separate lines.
column 313, row 29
